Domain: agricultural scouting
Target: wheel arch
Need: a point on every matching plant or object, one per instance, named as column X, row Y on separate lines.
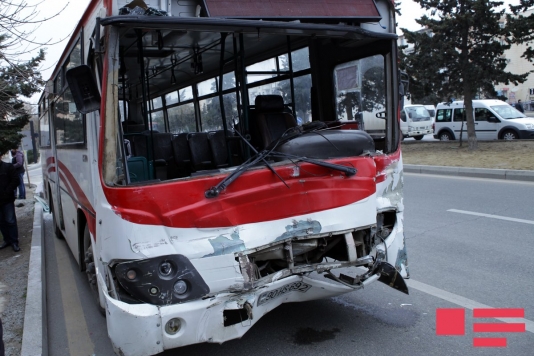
column 447, row 130
column 507, row 128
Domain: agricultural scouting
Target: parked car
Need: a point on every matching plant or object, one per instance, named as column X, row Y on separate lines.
column 494, row 119
column 416, row 121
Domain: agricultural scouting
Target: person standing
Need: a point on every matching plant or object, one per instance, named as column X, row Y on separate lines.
column 9, row 180
column 519, row 106
column 18, row 163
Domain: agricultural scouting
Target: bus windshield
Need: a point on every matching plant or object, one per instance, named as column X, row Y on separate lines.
column 204, row 89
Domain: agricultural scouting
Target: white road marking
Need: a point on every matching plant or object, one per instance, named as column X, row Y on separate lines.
column 463, row 302
column 492, row 216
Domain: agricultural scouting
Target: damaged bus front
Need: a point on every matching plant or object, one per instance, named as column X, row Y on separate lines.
column 245, row 160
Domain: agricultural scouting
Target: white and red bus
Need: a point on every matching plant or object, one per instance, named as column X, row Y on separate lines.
column 206, row 161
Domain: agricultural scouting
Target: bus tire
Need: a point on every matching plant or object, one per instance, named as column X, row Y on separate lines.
column 57, row 230
column 90, row 269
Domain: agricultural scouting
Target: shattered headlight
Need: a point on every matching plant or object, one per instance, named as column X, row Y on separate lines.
column 161, row 280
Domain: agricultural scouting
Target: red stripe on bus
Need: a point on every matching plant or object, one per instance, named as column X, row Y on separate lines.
column 256, row 196
column 385, row 161
column 63, row 179
column 78, row 191
column 78, row 196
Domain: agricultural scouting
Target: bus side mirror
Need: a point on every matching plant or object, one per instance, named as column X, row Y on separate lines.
column 84, row 90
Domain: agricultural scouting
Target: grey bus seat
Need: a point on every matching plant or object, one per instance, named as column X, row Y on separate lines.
column 219, row 149
column 182, row 157
column 201, row 158
column 271, row 119
column 139, row 144
column 163, row 155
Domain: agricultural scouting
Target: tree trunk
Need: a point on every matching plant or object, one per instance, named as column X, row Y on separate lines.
column 470, row 120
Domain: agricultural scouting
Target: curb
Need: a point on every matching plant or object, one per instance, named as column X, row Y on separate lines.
column 506, row 174
column 34, row 332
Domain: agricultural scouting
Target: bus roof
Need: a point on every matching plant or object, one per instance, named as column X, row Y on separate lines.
column 243, row 26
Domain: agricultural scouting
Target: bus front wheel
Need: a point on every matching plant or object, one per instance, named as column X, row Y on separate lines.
column 90, row 269
column 57, row 230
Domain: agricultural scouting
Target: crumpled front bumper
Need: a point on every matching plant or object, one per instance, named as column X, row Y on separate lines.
column 203, row 320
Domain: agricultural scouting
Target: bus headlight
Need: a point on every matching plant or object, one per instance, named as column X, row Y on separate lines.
column 180, row 287
column 161, row 280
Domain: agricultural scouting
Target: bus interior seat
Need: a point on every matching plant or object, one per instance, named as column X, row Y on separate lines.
column 219, row 149
column 131, row 126
column 182, row 157
column 139, row 144
column 201, row 158
column 163, row 155
column 271, row 119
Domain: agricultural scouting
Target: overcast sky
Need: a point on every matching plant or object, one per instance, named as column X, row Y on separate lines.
column 61, row 27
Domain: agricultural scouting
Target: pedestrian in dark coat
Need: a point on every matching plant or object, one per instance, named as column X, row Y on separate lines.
column 9, row 180
column 519, row 106
column 18, row 163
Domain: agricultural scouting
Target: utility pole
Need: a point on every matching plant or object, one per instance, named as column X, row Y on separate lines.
column 34, row 148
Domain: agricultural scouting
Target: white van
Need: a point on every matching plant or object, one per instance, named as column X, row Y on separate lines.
column 494, row 119
column 416, row 121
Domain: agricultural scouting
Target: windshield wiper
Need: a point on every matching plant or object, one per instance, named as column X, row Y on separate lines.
column 216, row 190
column 213, row 192
column 349, row 171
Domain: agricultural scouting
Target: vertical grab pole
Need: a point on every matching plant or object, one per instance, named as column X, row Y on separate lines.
column 141, row 60
column 221, row 99
column 238, row 86
column 244, row 88
column 290, row 60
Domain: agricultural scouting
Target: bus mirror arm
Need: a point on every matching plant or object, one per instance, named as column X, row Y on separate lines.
column 84, row 89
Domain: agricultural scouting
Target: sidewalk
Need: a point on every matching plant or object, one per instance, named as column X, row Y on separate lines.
column 508, row 174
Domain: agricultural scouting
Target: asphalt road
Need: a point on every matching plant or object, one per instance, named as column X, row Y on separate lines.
column 457, row 260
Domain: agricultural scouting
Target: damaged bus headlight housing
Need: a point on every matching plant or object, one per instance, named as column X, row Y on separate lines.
column 161, row 280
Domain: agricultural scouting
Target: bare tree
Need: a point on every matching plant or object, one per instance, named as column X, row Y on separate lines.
column 19, row 75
